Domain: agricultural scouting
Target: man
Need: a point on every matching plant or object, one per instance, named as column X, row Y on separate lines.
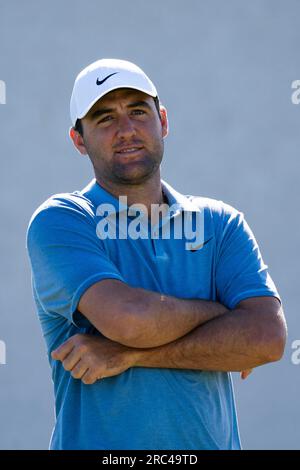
column 143, row 326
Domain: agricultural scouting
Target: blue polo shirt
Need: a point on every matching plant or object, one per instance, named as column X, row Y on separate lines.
column 142, row 408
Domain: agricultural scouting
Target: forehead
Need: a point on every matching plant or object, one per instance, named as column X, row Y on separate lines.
column 122, row 94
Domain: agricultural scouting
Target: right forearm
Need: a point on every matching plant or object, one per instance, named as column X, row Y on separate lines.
column 160, row 319
column 141, row 318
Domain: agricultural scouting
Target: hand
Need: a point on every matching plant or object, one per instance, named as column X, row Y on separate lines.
column 245, row 373
column 91, row 358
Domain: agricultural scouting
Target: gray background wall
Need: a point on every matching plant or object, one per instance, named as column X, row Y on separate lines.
column 224, row 71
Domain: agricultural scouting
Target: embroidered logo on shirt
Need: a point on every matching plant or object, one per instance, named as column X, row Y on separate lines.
column 193, row 248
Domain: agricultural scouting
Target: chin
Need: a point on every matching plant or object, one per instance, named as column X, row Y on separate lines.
column 137, row 174
column 134, row 179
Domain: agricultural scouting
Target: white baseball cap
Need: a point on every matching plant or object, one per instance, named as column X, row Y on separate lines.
column 103, row 76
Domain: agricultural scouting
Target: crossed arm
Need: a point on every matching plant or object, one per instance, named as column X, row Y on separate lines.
column 145, row 329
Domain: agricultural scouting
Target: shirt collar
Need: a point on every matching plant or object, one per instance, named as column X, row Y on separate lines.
column 174, row 197
column 99, row 195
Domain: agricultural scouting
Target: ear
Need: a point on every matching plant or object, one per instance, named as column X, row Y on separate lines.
column 164, row 121
column 77, row 141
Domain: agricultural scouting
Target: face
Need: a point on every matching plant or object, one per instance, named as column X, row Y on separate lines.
column 123, row 136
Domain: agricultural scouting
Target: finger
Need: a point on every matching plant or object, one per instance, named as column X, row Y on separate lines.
column 79, row 370
column 245, row 373
column 62, row 351
column 248, row 372
column 71, row 359
column 89, row 378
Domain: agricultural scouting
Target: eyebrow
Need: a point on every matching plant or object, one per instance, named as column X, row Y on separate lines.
column 99, row 112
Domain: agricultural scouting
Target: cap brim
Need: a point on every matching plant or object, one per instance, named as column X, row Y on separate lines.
column 117, row 87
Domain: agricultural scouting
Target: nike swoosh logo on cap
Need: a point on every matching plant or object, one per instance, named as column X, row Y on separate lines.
column 99, row 82
column 196, row 248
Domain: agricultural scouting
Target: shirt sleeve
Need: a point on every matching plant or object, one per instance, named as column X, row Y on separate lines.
column 240, row 270
column 66, row 258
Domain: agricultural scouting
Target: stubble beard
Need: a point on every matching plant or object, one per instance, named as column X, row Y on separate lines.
column 130, row 173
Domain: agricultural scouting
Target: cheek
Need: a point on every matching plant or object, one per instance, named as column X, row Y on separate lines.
column 100, row 143
column 152, row 131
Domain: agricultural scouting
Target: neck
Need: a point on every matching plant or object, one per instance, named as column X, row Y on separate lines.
column 147, row 193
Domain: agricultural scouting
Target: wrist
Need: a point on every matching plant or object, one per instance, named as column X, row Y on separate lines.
column 134, row 357
column 139, row 357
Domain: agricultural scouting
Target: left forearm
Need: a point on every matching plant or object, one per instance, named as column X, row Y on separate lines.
column 237, row 341
column 234, row 342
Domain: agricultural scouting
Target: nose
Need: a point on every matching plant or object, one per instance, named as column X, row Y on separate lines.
column 125, row 127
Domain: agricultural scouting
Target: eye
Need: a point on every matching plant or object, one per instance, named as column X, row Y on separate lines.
column 138, row 111
column 105, row 119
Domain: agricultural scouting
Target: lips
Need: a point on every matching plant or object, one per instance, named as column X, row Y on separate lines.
column 129, row 153
column 128, row 150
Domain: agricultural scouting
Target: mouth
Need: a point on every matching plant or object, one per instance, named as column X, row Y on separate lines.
column 129, row 151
